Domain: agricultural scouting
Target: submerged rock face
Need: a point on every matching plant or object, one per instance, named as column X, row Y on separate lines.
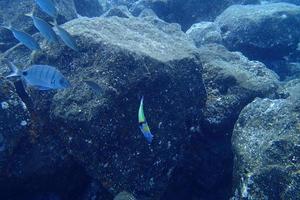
column 266, row 147
column 204, row 33
column 186, row 12
column 14, row 122
column 120, row 11
column 296, row 2
column 128, row 58
column 32, row 159
column 261, row 31
column 88, row 8
column 232, row 81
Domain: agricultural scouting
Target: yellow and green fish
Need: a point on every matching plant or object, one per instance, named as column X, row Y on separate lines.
column 143, row 123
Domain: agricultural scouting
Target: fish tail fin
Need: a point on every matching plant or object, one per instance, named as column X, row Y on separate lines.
column 30, row 14
column 8, row 26
column 54, row 23
column 15, row 71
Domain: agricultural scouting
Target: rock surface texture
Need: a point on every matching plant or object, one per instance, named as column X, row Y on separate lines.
column 231, row 81
column 261, row 31
column 128, row 58
column 204, row 33
column 266, row 146
column 186, row 12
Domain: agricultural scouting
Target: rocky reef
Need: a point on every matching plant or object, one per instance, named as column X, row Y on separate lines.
column 220, row 83
column 266, row 145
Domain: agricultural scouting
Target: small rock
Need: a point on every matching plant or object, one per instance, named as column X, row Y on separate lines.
column 204, row 33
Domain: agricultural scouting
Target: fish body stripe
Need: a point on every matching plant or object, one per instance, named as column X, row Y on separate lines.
column 45, row 77
column 40, row 72
column 144, row 126
column 47, row 73
column 53, row 78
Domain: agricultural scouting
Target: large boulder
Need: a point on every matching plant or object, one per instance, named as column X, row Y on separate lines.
column 232, row 81
column 187, row 12
column 266, row 148
column 129, row 58
column 261, row 31
column 297, row 2
column 14, row 122
column 18, row 135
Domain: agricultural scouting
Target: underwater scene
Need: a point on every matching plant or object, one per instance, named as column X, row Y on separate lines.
column 149, row 100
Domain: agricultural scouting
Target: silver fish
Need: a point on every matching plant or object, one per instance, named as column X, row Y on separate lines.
column 44, row 28
column 48, row 7
column 24, row 38
column 94, row 86
column 66, row 37
column 41, row 77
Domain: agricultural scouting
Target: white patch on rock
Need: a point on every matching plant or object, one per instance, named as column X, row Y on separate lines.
column 24, row 106
column 23, row 123
column 4, row 105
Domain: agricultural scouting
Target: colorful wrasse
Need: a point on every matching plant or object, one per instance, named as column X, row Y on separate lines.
column 143, row 123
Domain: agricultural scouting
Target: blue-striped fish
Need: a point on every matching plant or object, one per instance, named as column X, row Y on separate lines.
column 143, row 123
column 66, row 37
column 24, row 38
column 44, row 28
column 48, row 7
column 41, row 77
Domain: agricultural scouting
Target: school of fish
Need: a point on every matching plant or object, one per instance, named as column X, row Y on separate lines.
column 45, row 77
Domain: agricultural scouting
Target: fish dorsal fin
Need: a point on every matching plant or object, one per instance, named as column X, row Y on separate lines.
column 8, row 26
column 15, row 71
column 54, row 22
column 30, row 14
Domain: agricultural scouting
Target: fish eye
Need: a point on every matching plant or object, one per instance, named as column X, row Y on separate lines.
column 24, row 73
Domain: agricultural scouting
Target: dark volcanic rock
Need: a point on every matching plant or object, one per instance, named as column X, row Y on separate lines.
column 186, row 12
column 88, row 8
column 204, row 33
column 148, row 13
column 14, row 122
column 120, row 11
column 232, row 81
column 261, row 31
column 31, row 161
column 266, row 146
column 129, row 58
column 296, row 2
